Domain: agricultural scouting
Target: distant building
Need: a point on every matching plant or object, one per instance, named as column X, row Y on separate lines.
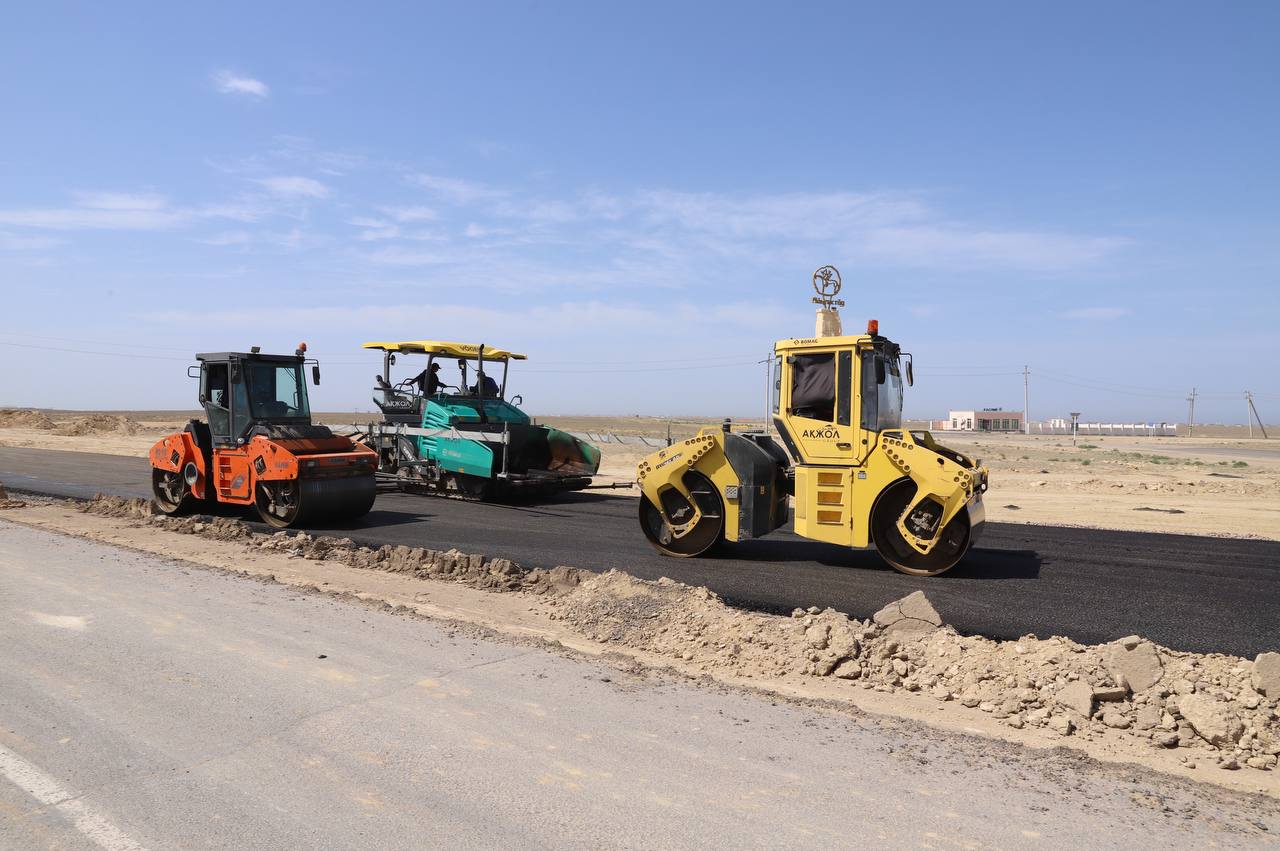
column 987, row 419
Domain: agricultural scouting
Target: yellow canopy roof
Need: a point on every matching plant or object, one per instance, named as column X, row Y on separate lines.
column 441, row 347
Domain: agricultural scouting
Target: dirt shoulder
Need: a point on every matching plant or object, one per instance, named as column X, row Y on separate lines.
column 1206, row 717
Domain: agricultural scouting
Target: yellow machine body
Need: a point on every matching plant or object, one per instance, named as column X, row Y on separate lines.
column 858, row 477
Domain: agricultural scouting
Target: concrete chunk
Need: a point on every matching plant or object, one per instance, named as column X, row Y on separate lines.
column 1211, row 719
column 912, row 614
column 1266, row 674
column 1134, row 664
column 1078, row 697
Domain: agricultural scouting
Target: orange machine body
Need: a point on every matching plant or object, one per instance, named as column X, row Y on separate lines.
column 237, row 470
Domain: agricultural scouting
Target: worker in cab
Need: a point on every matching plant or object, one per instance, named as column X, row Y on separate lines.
column 485, row 387
column 428, row 380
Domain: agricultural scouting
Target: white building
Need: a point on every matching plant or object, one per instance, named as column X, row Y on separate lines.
column 987, row 419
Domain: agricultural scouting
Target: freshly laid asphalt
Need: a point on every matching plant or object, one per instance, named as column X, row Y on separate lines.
column 1184, row 591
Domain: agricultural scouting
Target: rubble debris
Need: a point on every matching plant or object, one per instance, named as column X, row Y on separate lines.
column 25, row 418
column 1266, row 674
column 1211, row 719
column 97, row 424
column 1078, row 697
column 1134, row 664
column 1213, row 707
column 6, row 501
column 912, row 614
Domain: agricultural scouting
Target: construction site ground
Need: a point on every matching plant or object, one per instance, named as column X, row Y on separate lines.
column 1188, row 592
column 1187, row 485
column 156, row 697
column 779, row 670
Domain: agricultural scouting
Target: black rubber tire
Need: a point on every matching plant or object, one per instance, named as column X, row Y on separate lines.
column 172, row 495
column 894, row 549
column 705, row 537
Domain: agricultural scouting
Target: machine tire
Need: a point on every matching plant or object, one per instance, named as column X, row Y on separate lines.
column 172, row 495
column 296, row 501
column 279, row 504
column 705, row 536
column 889, row 542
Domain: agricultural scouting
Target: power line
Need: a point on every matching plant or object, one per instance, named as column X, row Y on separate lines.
column 641, row 369
column 93, row 342
column 88, row 352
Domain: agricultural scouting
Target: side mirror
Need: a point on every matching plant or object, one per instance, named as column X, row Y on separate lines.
column 393, row 360
column 517, row 400
column 315, row 374
column 911, row 375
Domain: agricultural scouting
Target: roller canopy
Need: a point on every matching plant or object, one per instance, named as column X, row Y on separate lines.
column 440, row 347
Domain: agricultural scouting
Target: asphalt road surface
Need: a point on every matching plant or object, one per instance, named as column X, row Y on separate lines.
column 146, row 704
column 1184, row 591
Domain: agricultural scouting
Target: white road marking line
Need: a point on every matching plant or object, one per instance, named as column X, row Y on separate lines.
column 76, row 622
column 51, row 793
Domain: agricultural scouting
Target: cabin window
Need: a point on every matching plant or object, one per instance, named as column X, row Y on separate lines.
column 217, row 405
column 813, row 386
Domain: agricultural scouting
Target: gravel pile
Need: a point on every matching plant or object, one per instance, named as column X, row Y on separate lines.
column 8, row 502
column 1214, row 708
column 1222, row 709
column 496, row 574
column 97, row 424
column 14, row 418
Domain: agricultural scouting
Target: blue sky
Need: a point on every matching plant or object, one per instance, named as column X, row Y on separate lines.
column 636, row 196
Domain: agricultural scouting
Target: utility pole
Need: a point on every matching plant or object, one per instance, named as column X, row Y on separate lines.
column 1249, row 398
column 1026, row 396
column 1191, row 413
column 1248, row 416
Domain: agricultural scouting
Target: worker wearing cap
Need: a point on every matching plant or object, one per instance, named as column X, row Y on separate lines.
column 428, row 380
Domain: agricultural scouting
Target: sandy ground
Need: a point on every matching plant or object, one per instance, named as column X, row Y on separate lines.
column 544, row 621
column 323, row 723
column 1198, row 485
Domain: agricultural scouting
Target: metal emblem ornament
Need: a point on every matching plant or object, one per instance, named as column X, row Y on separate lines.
column 826, row 283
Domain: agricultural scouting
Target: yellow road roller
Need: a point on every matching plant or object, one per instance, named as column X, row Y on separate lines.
column 858, row 478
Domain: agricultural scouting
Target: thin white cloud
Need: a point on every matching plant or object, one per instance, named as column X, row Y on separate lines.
column 231, row 83
column 406, row 257
column 101, row 211
column 121, row 201
column 1101, row 314
column 455, row 190
column 374, row 229
column 12, row 242
column 585, row 319
column 947, row 245
column 126, row 211
column 411, row 214
column 235, row 237
column 882, row 228
column 296, row 187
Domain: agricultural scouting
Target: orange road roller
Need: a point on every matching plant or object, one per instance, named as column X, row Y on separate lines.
column 260, row 448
